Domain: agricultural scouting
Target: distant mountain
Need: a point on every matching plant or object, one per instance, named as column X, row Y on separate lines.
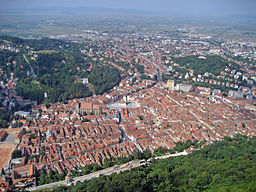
column 244, row 17
column 77, row 11
column 117, row 11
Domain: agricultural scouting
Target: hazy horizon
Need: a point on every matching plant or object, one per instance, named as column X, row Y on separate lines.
column 163, row 7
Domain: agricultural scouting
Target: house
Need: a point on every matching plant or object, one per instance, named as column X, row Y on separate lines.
column 203, row 90
column 183, row 87
column 87, row 107
column 83, row 80
column 235, row 94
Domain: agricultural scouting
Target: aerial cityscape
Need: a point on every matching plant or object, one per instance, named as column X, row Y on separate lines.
column 111, row 97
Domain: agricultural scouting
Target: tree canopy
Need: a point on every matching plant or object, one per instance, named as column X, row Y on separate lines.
column 227, row 165
column 212, row 63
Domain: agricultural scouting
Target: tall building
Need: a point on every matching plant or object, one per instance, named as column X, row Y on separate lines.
column 171, row 84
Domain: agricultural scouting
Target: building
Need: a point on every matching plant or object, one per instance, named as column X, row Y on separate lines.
column 203, row 90
column 88, row 108
column 3, row 134
column 67, row 179
column 4, row 185
column 235, row 94
column 82, row 80
column 19, row 136
column 250, row 107
column 31, row 170
column 216, row 91
column 22, row 113
column 183, row 87
column 170, row 84
column 49, row 134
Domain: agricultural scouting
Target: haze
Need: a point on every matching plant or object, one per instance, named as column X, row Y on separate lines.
column 164, row 7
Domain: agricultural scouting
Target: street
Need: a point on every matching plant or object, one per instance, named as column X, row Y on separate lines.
column 107, row 171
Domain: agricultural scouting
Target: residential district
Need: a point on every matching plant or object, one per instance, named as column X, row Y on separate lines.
column 138, row 114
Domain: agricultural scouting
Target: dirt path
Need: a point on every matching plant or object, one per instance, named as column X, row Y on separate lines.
column 90, row 86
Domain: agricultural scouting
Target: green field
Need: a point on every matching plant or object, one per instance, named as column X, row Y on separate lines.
column 42, row 24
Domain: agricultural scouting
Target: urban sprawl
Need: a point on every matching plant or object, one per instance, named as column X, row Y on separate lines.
column 167, row 104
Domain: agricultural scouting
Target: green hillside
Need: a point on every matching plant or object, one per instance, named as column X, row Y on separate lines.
column 213, row 64
column 57, row 67
column 227, row 165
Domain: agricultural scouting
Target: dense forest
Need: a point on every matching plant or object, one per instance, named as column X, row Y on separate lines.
column 37, row 44
column 55, row 75
column 213, row 64
column 54, row 72
column 227, row 165
column 104, row 78
column 11, row 62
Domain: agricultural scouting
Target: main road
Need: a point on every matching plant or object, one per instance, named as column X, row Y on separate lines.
column 31, row 69
column 108, row 171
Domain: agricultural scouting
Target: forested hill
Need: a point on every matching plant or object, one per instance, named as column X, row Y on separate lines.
column 58, row 68
column 227, row 165
column 212, row 64
column 37, row 44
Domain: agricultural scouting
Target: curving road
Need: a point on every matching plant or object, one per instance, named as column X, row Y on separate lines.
column 32, row 70
column 108, row 171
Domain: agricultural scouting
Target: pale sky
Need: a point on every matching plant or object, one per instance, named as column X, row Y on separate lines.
column 180, row 7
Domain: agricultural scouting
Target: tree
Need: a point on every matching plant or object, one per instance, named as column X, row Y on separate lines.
column 96, row 167
column 203, row 170
column 2, row 172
